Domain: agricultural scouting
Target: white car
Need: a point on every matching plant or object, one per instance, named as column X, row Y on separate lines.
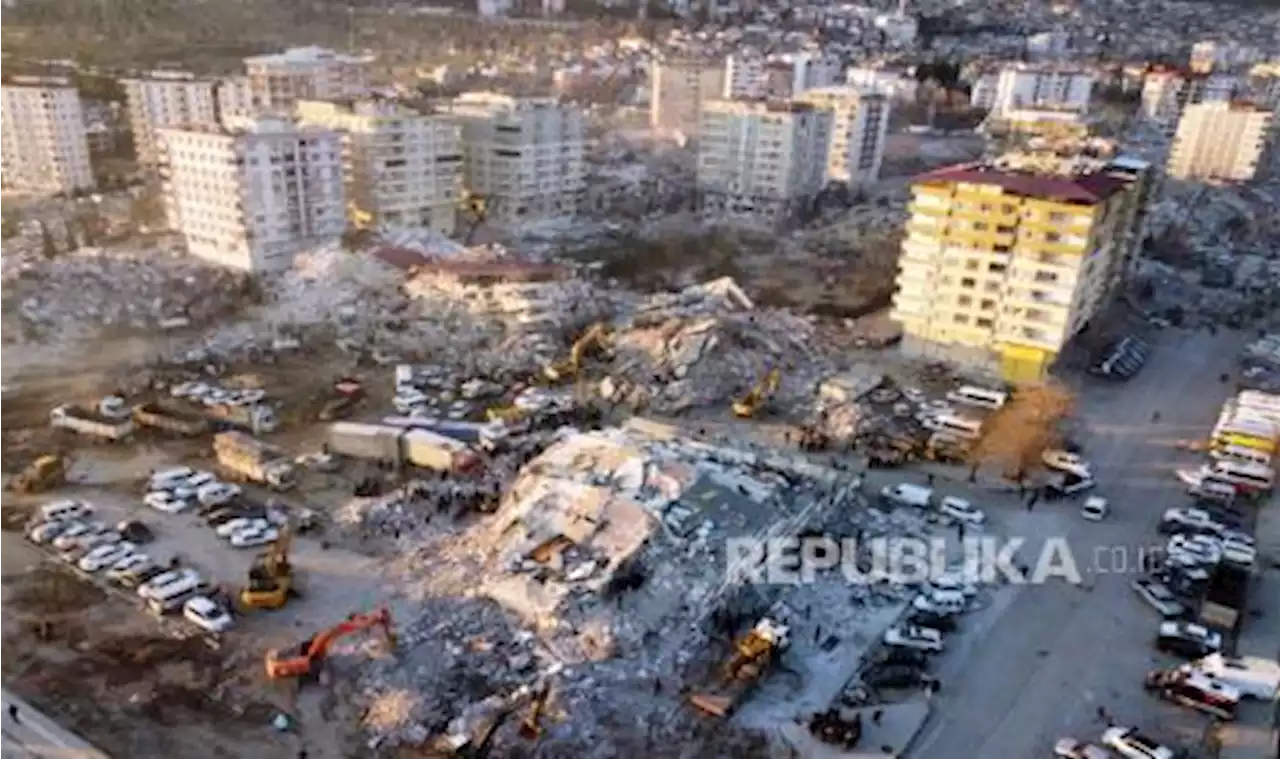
column 165, row 501
column 953, row 583
column 240, row 524
column 911, row 636
column 190, row 486
column 1240, row 554
column 86, row 543
column 1065, row 461
column 961, row 510
column 188, row 389
column 217, row 493
column 250, row 396
column 1095, row 508
column 1201, row 549
column 1131, row 744
column 945, row 602
column 248, row 538
column 104, row 556
column 47, row 531
column 134, row 562
column 169, row 478
column 1235, row 536
column 1189, row 520
column 408, row 400
column 1070, row 748
column 185, row 576
column 206, row 614
column 1159, row 597
column 66, row 510
column 75, row 532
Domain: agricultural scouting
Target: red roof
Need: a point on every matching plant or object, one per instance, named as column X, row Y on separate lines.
column 1084, row 188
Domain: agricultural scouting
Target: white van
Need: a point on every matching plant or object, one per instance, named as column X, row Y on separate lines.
column 956, row 426
column 1249, row 477
column 1252, row 676
column 946, row 602
column 181, row 587
column 971, row 395
column 1241, row 454
column 906, row 494
column 161, row 585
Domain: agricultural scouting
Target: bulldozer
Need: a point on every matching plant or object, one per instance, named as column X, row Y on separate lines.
column 304, row 660
column 750, row 404
column 752, row 654
column 271, row 581
column 45, row 473
column 595, row 338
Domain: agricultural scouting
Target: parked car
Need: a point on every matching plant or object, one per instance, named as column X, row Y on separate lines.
column 255, row 535
column 1065, row 461
column 188, row 488
column 954, row 583
column 209, row 616
column 1239, row 553
column 1070, row 748
column 941, row 602
column 232, row 526
column 1159, row 598
column 87, row 543
column 1095, row 508
column 75, row 531
column 1201, row 549
column 45, row 532
column 216, row 493
column 132, row 564
column 910, row 636
column 135, row 578
column 135, row 531
column 900, row 656
column 165, row 501
column 1189, row 521
column 940, row 622
column 66, row 510
column 896, row 676
column 1129, row 743
column 169, row 478
column 164, row 579
column 104, row 556
column 1188, row 640
column 961, row 510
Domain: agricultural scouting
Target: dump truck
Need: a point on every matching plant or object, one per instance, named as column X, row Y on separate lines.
column 244, row 457
column 91, row 422
column 257, row 418
column 161, row 417
column 431, row 450
column 371, row 442
column 752, row 655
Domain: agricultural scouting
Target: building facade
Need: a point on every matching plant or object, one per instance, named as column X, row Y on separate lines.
column 401, row 166
column 1042, row 87
column 277, row 82
column 677, row 90
column 165, row 99
column 761, row 163
column 525, row 156
column 1219, row 141
column 45, row 149
column 860, row 124
column 1004, row 262
column 253, row 197
column 777, row 78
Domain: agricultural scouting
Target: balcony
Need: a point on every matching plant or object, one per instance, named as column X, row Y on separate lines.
column 915, row 208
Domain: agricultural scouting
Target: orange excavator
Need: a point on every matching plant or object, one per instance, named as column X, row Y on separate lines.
column 304, row 660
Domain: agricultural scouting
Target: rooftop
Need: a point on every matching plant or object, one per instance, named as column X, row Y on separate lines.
column 1088, row 183
column 305, row 55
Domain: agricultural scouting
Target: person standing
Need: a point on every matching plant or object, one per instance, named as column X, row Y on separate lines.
column 13, row 713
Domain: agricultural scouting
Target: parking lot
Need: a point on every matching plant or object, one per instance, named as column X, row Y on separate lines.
column 1058, row 652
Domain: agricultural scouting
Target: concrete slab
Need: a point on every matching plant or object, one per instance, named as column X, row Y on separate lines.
column 890, row 737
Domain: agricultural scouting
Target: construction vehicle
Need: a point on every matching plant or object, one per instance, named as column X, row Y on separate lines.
column 596, row 338
column 530, row 727
column 170, row 418
column 748, row 405
column 753, row 653
column 509, row 413
column 347, row 392
column 305, row 659
column 476, row 208
column 271, row 576
column 360, row 218
column 244, row 457
column 45, row 473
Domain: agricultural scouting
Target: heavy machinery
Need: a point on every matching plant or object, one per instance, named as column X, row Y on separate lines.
column 753, row 653
column 360, row 218
column 476, row 209
column 44, row 473
column 305, row 659
column 596, row 338
column 346, row 393
column 748, row 405
column 271, row 577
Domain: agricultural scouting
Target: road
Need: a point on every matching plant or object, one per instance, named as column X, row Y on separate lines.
column 34, row 736
column 1060, row 651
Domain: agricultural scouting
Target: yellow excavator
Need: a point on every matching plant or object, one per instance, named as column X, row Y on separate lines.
column 475, row 208
column 45, row 473
column 271, row 576
column 360, row 218
column 748, row 405
column 595, row 338
column 752, row 655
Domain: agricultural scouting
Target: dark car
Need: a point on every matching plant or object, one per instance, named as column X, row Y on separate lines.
column 134, row 579
column 940, row 622
column 135, row 532
column 222, row 516
column 896, row 676
column 902, row 657
column 1187, row 640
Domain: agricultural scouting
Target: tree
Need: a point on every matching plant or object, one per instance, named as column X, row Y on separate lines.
column 1019, row 433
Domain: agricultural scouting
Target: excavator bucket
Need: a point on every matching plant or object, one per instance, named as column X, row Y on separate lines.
column 715, row 706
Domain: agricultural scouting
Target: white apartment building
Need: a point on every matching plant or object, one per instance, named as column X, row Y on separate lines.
column 167, row 99
column 277, row 82
column 888, row 82
column 1208, row 56
column 402, row 167
column 760, row 163
column 1042, row 87
column 984, row 91
column 253, row 197
column 1166, row 93
column 45, row 149
column 748, row 75
column 525, row 156
column 678, row 88
column 1219, row 141
column 860, row 124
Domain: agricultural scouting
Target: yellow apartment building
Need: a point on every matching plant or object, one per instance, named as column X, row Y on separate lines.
column 1005, row 261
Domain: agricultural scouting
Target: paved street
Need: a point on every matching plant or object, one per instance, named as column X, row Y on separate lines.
column 1060, row 651
column 35, row 736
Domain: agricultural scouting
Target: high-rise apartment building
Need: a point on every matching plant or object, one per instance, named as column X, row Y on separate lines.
column 525, row 156
column 1024, row 87
column 1165, row 93
column 45, row 148
column 760, row 163
column 1005, row 261
column 1219, row 141
column 778, row 77
column 164, row 99
column 677, row 89
column 254, row 196
column 277, row 82
column 860, row 123
column 402, row 167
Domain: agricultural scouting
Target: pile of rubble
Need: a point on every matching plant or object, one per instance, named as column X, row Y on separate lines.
column 77, row 294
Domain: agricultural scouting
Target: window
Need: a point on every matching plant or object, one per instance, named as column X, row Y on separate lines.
column 968, row 282
column 987, row 304
column 971, row 265
column 961, row 318
column 1052, row 237
column 964, row 300
column 985, row 323
column 997, row 268
column 1046, row 276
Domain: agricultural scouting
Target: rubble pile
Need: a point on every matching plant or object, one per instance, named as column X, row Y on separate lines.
column 75, row 295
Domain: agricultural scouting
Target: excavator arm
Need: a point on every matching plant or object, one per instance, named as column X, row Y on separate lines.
column 597, row 336
column 314, row 651
column 747, row 406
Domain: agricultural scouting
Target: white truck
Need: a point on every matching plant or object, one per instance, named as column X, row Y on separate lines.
column 91, row 422
column 242, row 456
